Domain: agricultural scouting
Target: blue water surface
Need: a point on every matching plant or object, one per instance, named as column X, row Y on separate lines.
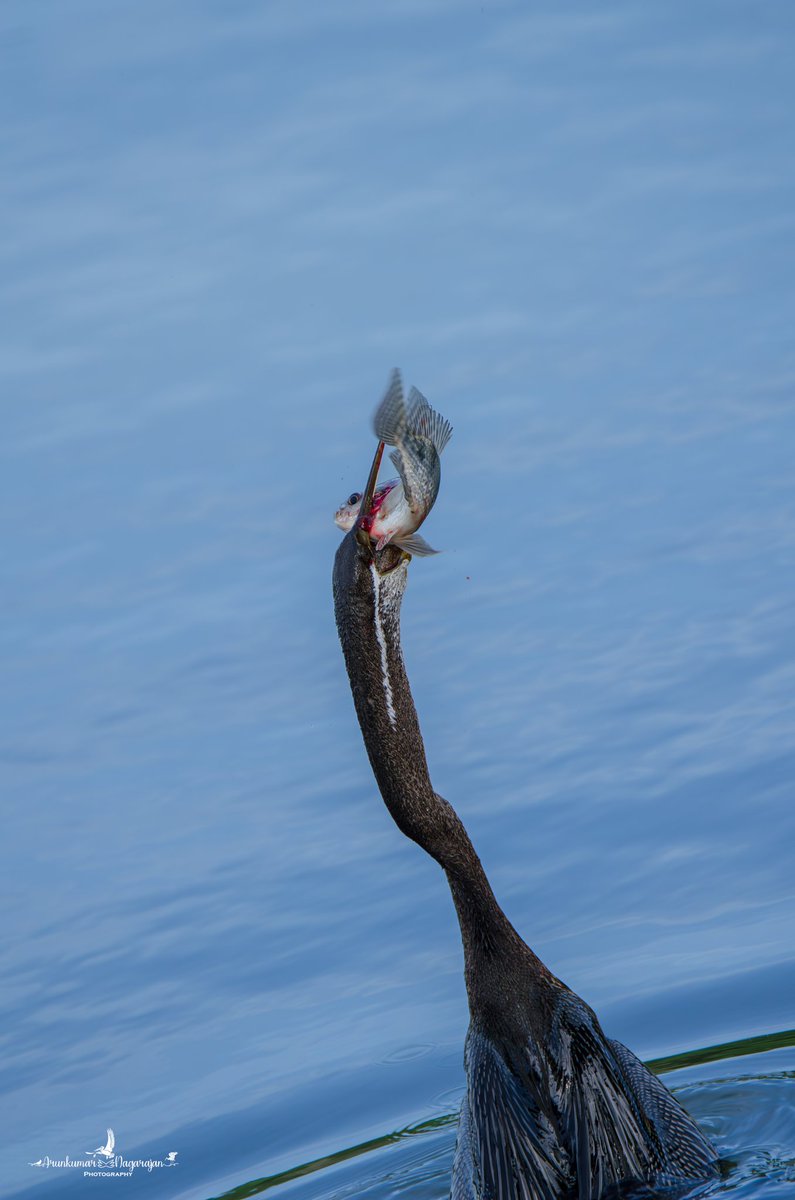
column 573, row 227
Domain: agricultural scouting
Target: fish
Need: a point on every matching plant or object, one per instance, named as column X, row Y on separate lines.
column 419, row 434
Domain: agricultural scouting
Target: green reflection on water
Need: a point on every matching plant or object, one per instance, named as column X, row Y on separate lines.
column 256, row 1186
column 672, row 1062
column 751, row 1045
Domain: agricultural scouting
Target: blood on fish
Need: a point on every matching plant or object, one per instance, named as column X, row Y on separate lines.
column 378, row 499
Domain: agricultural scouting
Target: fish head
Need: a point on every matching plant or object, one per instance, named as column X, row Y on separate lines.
column 358, row 565
column 354, row 515
column 346, row 514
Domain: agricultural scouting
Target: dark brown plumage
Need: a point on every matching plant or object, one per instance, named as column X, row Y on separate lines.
column 553, row 1108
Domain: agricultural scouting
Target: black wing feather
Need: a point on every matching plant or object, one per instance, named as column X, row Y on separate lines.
column 571, row 1116
column 509, row 1146
column 685, row 1151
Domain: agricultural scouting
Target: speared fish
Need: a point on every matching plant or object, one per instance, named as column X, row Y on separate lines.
column 419, row 434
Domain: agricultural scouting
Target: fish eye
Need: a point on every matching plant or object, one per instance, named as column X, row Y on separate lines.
column 354, row 497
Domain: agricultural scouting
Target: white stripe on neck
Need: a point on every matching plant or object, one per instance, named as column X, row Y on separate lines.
column 379, row 633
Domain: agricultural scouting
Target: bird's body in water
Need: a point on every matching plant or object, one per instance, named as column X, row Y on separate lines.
column 399, row 506
column 554, row 1109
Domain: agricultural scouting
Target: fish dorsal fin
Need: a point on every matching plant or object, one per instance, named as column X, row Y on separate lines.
column 390, row 417
column 427, row 421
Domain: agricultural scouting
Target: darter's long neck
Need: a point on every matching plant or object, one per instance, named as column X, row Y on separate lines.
column 367, row 607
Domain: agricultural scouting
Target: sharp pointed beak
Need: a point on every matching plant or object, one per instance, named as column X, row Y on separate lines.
column 362, row 536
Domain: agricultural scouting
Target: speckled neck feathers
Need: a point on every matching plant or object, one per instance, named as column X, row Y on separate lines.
column 368, row 593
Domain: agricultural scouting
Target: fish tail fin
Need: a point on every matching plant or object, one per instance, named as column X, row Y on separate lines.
column 416, row 545
column 390, row 418
column 427, row 421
